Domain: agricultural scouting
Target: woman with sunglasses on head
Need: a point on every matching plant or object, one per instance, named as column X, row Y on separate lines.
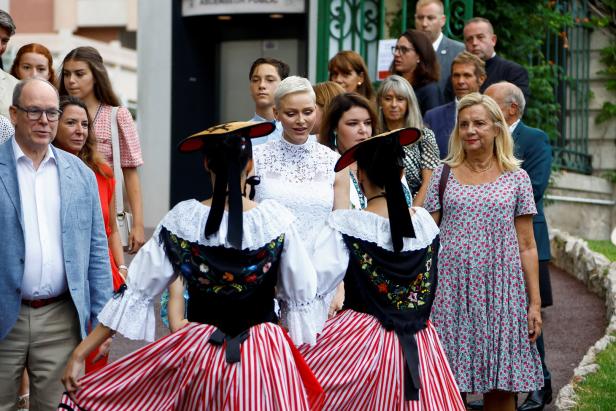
column 234, row 257
column 381, row 351
column 83, row 75
column 416, row 61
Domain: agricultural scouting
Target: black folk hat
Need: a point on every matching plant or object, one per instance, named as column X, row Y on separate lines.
column 228, row 179
column 386, row 151
column 248, row 129
column 404, row 136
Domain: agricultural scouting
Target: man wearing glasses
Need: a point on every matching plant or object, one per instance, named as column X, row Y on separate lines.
column 55, row 264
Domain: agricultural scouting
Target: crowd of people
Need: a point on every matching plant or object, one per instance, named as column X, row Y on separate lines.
column 363, row 247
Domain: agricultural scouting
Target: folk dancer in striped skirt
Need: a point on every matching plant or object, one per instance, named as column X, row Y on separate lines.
column 231, row 355
column 381, row 352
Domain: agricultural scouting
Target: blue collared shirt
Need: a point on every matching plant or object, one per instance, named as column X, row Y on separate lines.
column 274, row 135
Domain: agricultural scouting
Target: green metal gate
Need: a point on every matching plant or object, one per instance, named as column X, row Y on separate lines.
column 571, row 54
column 359, row 25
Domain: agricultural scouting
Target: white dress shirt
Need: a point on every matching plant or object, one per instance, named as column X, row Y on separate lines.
column 39, row 190
column 513, row 126
column 437, row 42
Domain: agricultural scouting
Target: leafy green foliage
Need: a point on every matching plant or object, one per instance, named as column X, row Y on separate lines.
column 522, row 30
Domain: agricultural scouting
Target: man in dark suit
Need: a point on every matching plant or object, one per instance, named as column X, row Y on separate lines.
column 467, row 75
column 430, row 19
column 479, row 39
column 533, row 148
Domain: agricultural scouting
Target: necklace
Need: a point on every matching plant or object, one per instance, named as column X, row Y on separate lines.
column 98, row 110
column 478, row 170
column 376, row 196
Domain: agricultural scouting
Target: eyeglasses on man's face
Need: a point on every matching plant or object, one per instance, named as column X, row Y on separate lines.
column 35, row 113
column 401, row 49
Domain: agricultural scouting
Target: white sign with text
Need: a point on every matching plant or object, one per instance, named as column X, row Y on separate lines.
column 204, row 7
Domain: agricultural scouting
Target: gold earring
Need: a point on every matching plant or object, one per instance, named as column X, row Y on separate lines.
column 359, row 84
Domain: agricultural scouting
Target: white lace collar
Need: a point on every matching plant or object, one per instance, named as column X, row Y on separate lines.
column 305, row 147
column 260, row 225
column 366, row 225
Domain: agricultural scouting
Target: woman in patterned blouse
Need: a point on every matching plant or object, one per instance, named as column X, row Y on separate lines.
column 84, row 76
column 398, row 108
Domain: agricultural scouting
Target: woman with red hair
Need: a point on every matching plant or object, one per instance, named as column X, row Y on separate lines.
column 33, row 60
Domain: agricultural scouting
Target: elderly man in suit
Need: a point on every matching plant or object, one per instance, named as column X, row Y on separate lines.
column 430, row 19
column 532, row 146
column 467, row 75
column 55, row 262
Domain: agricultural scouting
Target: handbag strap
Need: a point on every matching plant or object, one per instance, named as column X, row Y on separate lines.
column 442, row 184
column 117, row 169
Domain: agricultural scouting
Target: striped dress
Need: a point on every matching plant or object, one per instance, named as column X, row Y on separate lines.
column 380, row 352
column 233, row 355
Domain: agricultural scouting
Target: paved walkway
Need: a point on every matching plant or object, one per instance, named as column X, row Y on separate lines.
column 574, row 323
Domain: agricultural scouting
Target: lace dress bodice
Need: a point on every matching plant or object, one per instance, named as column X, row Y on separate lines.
column 301, row 177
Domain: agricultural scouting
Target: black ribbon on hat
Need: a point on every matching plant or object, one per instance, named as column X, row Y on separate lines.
column 232, row 351
column 388, row 156
column 229, row 178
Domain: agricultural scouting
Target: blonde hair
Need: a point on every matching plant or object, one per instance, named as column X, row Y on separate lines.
column 503, row 143
column 401, row 87
column 293, row 85
column 325, row 93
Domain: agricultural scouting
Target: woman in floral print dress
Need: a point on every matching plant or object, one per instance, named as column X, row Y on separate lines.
column 487, row 305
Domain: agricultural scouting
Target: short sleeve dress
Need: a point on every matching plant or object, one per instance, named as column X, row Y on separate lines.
column 480, row 308
column 130, row 148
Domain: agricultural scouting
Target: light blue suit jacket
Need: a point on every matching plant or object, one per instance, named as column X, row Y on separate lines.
column 84, row 243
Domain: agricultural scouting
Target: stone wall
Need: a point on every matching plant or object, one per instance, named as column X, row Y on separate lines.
column 581, row 205
column 573, row 256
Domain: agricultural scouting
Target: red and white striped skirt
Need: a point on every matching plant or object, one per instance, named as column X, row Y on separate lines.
column 182, row 371
column 360, row 366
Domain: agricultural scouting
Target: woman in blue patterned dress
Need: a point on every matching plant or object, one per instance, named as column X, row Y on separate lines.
column 487, row 305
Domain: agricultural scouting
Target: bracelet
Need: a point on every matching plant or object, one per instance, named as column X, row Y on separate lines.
column 122, row 267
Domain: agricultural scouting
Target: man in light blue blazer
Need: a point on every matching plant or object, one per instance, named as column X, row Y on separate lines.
column 430, row 19
column 532, row 146
column 55, row 275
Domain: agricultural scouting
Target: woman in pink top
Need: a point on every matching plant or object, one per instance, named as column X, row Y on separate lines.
column 84, row 76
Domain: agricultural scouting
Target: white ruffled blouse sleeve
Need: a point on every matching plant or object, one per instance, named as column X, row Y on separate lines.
column 302, row 311
column 132, row 313
column 330, row 258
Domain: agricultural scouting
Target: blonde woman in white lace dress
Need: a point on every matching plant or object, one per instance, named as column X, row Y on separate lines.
column 296, row 170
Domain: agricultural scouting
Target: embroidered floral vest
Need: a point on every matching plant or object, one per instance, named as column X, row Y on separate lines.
column 396, row 288
column 231, row 289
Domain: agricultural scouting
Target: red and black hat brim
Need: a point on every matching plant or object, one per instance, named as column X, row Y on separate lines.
column 248, row 129
column 405, row 137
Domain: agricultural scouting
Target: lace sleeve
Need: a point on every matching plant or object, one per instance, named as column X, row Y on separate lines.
column 131, row 313
column 303, row 312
